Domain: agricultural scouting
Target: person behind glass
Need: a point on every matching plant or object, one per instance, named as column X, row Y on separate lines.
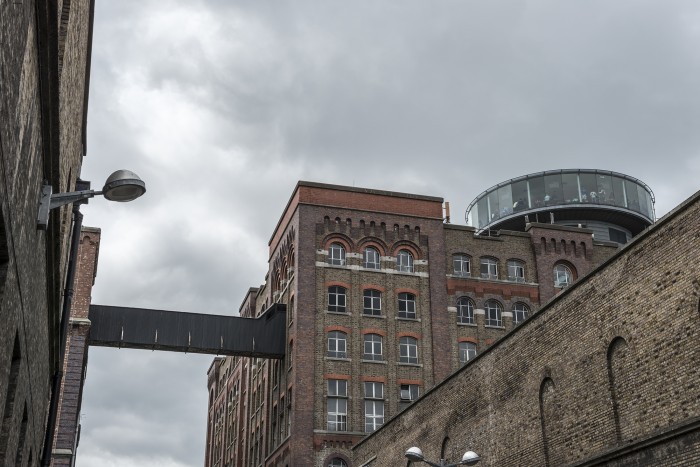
column 546, row 199
column 594, row 197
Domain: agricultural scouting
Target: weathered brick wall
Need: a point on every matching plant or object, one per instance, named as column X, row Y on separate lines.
column 611, row 361
column 75, row 360
column 30, row 131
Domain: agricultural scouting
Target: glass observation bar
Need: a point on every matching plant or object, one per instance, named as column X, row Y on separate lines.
column 558, row 189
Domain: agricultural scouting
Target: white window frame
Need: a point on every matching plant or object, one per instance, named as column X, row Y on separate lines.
column 461, row 265
column 563, row 276
column 376, row 342
column 407, row 394
column 462, row 317
column 494, row 313
column 374, row 406
column 340, row 295
column 408, row 350
column 467, row 351
column 337, row 337
column 491, row 266
column 404, row 261
column 409, row 306
column 375, row 261
column 337, row 405
column 375, row 301
column 516, row 270
column 336, row 254
column 520, row 312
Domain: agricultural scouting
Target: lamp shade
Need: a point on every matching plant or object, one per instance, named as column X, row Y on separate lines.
column 123, row 185
column 414, row 454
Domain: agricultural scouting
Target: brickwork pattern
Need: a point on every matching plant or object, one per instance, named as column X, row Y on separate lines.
column 548, row 393
column 33, row 264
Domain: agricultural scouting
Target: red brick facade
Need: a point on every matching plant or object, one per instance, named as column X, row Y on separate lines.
column 418, row 305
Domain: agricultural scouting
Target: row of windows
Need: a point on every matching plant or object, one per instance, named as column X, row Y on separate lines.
column 493, row 312
column 337, row 403
column 488, row 269
column 370, row 258
column 373, row 347
column 371, row 302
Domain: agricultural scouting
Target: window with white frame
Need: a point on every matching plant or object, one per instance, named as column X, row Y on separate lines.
column 404, row 261
column 488, row 268
column 337, row 405
column 563, row 277
column 516, row 270
column 461, row 265
column 336, row 254
column 337, row 344
column 374, row 406
column 337, row 462
column 336, row 298
column 372, row 302
column 493, row 311
column 373, row 347
column 408, row 350
column 407, row 394
column 467, row 351
column 465, row 311
column 520, row 312
column 371, row 258
column 407, row 305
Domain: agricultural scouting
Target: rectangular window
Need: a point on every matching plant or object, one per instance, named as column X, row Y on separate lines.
column 407, row 394
column 337, row 405
column 373, row 347
column 489, row 268
column 516, row 271
column 372, row 302
column 374, row 406
column 407, row 306
column 408, row 350
column 461, row 265
column 336, row 299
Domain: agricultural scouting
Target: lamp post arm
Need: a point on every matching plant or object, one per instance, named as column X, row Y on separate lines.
column 49, row 201
column 61, row 199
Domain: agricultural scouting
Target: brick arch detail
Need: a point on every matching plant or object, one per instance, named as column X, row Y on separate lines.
column 337, row 237
column 373, row 287
column 415, row 335
column 379, row 332
column 473, row 340
column 407, row 290
column 375, row 242
column 407, row 245
column 338, row 283
column 344, row 329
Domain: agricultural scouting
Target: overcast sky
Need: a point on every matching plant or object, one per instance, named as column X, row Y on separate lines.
column 222, row 106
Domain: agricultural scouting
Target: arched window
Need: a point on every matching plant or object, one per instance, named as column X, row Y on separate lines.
column 407, row 305
column 408, row 350
column 337, row 344
column 563, row 277
column 467, row 351
column 372, row 302
column 371, row 258
column 488, row 268
column 461, row 265
column 516, row 270
column 493, row 311
column 465, row 311
column 336, row 254
column 336, row 299
column 520, row 312
column 373, row 348
column 337, row 462
column 404, row 261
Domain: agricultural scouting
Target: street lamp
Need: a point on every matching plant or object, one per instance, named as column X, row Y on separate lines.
column 414, row 454
column 122, row 185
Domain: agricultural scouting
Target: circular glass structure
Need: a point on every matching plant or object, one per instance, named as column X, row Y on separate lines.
column 575, row 196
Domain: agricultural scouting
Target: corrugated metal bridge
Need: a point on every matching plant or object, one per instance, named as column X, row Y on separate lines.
column 174, row 331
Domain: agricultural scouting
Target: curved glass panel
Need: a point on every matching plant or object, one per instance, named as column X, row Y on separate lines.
column 559, row 188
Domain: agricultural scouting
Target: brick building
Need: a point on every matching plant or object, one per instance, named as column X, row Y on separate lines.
column 385, row 300
column 605, row 374
column 45, row 62
column 67, row 430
